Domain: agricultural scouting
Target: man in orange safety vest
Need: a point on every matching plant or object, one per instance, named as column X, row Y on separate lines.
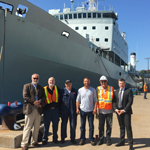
column 51, row 109
column 145, row 90
column 105, row 99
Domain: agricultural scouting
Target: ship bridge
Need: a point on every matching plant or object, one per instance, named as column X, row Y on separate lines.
column 101, row 30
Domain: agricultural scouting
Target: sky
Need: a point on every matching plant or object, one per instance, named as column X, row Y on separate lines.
column 133, row 18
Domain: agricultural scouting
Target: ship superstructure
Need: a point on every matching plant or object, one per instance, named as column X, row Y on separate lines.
column 100, row 28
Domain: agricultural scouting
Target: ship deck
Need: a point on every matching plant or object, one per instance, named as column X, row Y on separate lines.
column 140, row 127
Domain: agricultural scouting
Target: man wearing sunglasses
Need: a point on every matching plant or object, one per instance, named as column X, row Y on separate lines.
column 105, row 100
column 34, row 98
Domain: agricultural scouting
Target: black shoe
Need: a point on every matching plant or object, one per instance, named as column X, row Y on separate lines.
column 131, row 147
column 36, row 145
column 100, row 142
column 120, row 144
column 108, row 142
column 44, row 142
column 56, row 141
column 73, row 142
column 62, row 141
column 81, row 142
column 93, row 143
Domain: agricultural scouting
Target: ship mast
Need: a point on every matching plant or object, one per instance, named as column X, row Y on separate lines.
column 93, row 5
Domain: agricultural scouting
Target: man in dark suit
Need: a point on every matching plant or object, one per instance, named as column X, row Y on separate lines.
column 123, row 98
column 34, row 97
column 68, row 110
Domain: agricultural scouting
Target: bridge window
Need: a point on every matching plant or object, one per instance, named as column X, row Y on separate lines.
column 61, row 17
column 79, row 15
column 106, row 28
column 93, row 27
column 97, row 39
column 66, row 16
column 99, row 15
column 84, row 28
column 106, row 39
column 89, row 15
column 109, row 15
column 94, row 15
column 75, row 16
column 76, row 28
column 70, row 16
column 84, row 15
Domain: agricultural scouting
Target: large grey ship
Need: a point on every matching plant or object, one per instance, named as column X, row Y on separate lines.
column 65, row 45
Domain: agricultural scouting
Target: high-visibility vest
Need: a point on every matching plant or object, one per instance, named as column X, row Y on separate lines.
column 105, row 100
column 145, row 88
column 51, row 98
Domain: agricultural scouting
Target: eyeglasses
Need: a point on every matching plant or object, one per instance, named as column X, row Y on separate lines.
column 35, row 78
column 104, row 81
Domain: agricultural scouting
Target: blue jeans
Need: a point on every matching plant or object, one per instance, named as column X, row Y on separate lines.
column 145, row 95
column 51, row 115
column 72, row 119
column 83, row 122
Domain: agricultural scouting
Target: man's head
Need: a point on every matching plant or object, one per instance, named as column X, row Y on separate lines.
column 86, row 82
column 51, row 81
column 68, row 84
column 103, row 81
column 35, row 78
column 121, row 83
column 145, row 83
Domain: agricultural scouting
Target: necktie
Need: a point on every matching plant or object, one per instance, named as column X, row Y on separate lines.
column 120, row 101
column 36, row 92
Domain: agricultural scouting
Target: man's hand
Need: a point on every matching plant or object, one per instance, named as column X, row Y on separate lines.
column 119, row 112
column 78, row 111
column 37, row 103
column 94, row 111
column 122, row 112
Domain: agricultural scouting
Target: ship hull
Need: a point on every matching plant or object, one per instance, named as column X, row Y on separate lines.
column 35, row 45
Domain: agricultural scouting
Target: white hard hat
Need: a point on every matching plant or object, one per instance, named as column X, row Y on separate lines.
column 17, row 126
column 103, row 78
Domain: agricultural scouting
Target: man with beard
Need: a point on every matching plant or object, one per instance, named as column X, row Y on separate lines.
column 51, row 109
column 34, row 97
column 87, row 101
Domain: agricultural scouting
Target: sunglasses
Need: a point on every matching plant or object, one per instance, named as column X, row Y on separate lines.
column 104, row 81
column 35, row 78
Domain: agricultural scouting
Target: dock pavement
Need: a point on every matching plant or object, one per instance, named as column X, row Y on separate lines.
column 140, row 127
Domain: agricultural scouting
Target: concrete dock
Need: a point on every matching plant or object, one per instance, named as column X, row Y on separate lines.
column 140, row 127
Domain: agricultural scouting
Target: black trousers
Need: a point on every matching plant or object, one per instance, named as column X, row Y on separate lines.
column 125, row 122
column 102, row 119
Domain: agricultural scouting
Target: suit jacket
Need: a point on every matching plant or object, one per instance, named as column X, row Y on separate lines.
column 30, row 96
column 127, row 100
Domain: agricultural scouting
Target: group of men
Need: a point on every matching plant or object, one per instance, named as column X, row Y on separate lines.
column 68, row 103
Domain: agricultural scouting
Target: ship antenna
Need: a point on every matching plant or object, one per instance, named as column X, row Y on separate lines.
column 72, row 2
column 93, row 5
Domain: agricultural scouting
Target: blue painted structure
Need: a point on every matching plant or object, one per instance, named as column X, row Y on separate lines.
column 11, row 110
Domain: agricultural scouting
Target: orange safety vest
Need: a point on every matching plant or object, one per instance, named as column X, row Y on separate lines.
column 105, row 100
column 145, row 88
column 51, row 98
